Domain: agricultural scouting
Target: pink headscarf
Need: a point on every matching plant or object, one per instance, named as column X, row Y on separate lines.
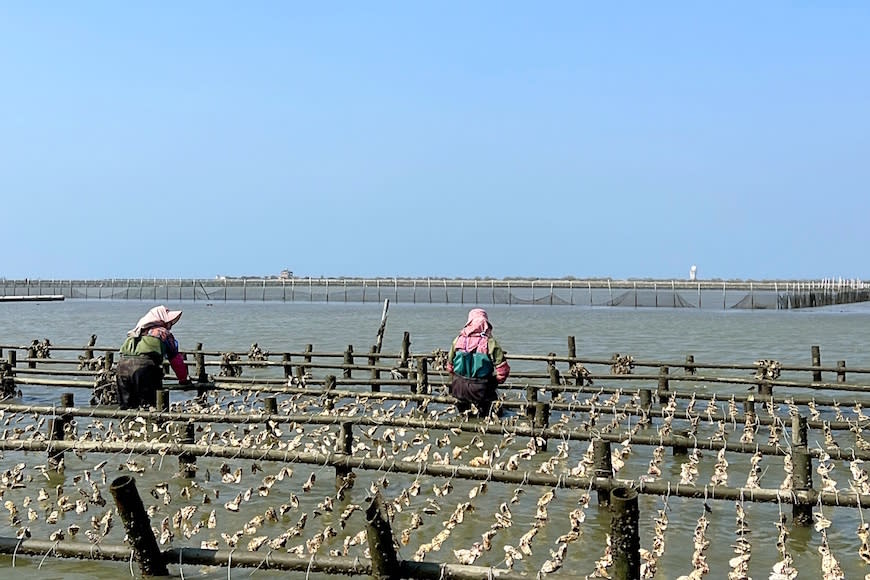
column 473, row 336
column 157, row 316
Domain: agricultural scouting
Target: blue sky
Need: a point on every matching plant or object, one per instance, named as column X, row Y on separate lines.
column 459, row 139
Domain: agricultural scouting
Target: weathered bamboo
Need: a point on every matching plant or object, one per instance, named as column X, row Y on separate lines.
column 332, row 565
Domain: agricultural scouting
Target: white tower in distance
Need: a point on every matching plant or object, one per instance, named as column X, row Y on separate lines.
column 693, row 272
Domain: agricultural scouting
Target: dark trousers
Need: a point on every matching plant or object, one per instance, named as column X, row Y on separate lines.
column 480, row 392
column 139, row 377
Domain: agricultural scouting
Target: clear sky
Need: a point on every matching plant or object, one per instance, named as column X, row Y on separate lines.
column 459, row 139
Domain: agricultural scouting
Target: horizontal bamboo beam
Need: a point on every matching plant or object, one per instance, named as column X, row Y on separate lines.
column 842, row 499
column 241, row 559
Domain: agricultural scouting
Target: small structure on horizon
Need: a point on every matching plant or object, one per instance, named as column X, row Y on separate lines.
column 693, row 272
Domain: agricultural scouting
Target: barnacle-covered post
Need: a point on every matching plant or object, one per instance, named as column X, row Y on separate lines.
column 344, row 447
column 270, row 405
column 385, row 562
column 138, row 526
column 603, row 464
column 624, row 534
column 802, row 480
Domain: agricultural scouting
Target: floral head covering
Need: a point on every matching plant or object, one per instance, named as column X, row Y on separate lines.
column 157, row 316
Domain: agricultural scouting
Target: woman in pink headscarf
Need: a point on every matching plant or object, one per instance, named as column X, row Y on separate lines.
column 477, row 363
column 140, row 370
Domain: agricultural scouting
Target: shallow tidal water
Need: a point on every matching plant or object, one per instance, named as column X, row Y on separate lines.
column 738, row 336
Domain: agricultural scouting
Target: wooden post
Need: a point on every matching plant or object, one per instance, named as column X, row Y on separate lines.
column 162, row 400
column 12, row 357
column 555, row 377
column 344, row 446
column 199, row 367
column 187, row 461
column 348, row 360
column 376, row 374
column 572, row 348
column 422, row 375
column 138, row 526
column 603, row 467
column 765, row 388
column 663, row 382
column 531, row 400
column 624, row 533
column 109, row 360
column 31, row 354
column 288, row 368
column 690, row 364
column 271, row 405
column 382, row 548
column 802, row 480
column 841, row 371
column 541, row 421
column 749, row 407
column 645, row 399
column 329, row 399
column 406, row 351
column 89, row 353
column 306, row 358
column 817, row 362
column 681, row 442
column 799, row 431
